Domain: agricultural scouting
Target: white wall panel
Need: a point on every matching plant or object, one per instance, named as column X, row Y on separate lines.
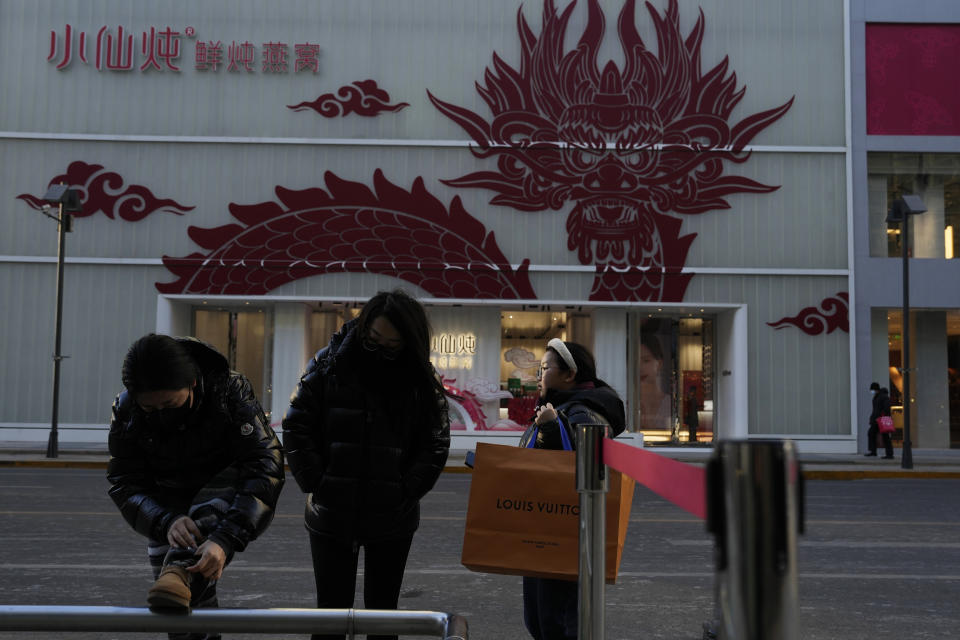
column 777, row 49
column 104, row 310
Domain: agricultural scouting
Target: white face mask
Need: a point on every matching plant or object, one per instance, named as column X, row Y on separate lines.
column 873, row 392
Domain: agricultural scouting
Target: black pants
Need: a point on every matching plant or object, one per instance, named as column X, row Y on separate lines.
column 550, row 608
column 335, row 573
column 872, row 441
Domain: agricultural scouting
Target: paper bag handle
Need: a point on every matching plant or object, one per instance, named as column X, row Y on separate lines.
column 564, row 437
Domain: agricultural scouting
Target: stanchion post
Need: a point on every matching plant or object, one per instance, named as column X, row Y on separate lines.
column 755, row 511
column 592, row 486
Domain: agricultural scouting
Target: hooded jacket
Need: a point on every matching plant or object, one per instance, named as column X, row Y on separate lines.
column 359, row 443
column 584, row 404
column 156, row 471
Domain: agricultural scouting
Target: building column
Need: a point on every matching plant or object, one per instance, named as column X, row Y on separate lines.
column 931, row 404
column 174, row 318
column 610, row 345
column 290, row 354
column 731, row 408
column 927, row 233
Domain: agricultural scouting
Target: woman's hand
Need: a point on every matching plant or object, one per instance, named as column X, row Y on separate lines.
column 212, row 559
column 183, row 533
column 545, row 414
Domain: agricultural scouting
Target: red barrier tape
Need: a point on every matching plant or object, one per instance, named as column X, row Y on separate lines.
column 682, row 484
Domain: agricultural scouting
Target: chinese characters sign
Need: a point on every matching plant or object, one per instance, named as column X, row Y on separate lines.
column 453, row 350
column 160, row 50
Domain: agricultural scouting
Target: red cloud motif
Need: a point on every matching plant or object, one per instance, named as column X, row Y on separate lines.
column 832, row 315
column 103, row 190
column 363, row 98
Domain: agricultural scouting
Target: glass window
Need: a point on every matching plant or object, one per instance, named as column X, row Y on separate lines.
column 895, row 363
column 673, row 380
column 244, row 338
column 935, row 177
column 523, row 341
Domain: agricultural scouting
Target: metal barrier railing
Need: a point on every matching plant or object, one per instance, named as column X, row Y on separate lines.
column 752, row 496
column 276, row 621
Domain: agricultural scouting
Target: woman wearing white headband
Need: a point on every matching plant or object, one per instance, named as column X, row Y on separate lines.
column 570, row 394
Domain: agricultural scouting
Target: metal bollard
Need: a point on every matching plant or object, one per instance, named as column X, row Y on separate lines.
column 755, row 510
column 592, row 485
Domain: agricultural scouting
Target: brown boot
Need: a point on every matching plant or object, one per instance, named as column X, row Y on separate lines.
column 171, row 592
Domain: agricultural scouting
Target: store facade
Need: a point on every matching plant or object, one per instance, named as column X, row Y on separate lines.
column 907, row 141
column 668, row 186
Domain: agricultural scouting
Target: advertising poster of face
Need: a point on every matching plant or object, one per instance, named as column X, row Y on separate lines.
column 655, row 360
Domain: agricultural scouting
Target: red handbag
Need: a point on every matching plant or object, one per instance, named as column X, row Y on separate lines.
column 885, row 424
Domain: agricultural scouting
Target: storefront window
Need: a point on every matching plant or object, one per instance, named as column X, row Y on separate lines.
column 523, row 340
column 673, row 381
column 244, row 338
column 935, row 177
column 895, row 364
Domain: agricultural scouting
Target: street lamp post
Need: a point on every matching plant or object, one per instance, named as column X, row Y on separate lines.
column 900, row 212
column 67, row 200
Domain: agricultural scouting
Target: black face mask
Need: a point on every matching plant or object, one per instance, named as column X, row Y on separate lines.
column 169, row 418
column 553, row 396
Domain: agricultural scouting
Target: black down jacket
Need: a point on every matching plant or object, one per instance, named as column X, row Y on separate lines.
column 155, row 472
column 585, row 404
column 361, row 446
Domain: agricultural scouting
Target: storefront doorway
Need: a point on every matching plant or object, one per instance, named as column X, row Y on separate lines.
column 672, row 392
column 245, row 338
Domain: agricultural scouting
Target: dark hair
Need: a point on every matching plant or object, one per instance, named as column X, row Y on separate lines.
column 586, row 365
column 410, row 320
column 651, row 342
column 874, row 386
column 157, row 362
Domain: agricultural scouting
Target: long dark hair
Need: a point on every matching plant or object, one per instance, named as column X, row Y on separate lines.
column 410, row 320
column 651, row 342
column 157, row 362
column 586, row 365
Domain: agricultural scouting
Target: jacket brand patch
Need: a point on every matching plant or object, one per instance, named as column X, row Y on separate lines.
column 246, row 429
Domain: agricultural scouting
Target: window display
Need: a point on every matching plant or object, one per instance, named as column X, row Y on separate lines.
column 673, row 392
column 935, row 177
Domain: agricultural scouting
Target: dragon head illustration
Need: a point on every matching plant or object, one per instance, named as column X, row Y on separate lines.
column 630, row 147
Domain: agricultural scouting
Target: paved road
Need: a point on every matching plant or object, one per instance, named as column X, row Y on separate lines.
column 880, row 560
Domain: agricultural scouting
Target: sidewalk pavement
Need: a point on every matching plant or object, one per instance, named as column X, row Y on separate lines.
column 927, row 463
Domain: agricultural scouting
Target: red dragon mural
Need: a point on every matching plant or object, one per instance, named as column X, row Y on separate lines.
column 348, row 227
column 630, row 147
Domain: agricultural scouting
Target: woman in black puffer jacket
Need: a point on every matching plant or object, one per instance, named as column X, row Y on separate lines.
column 194, row 466
column 570, row 394
column 367, row 435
